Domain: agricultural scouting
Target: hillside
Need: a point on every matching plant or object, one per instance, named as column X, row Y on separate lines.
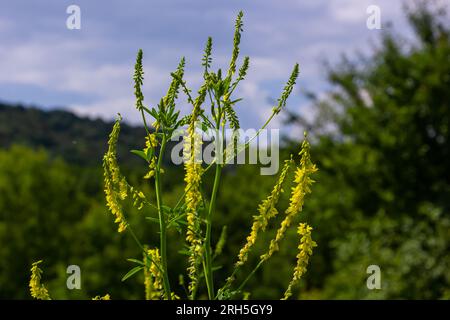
column 79, row 140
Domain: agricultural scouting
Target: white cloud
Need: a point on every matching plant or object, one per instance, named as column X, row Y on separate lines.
column 97, row 62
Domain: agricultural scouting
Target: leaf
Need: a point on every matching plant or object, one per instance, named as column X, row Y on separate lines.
column 166, row 209
column 185, row 252
column 140, row 153
column 235, row 101
column 156, row 220
column 132, row 272
column 137, row 261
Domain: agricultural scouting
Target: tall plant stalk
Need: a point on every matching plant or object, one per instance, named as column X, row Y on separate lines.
column 162, row 221
column 208, row 256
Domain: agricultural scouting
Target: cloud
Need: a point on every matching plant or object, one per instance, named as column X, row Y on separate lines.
column 96, row 62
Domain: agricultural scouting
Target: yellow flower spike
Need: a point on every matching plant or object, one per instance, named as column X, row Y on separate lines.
column 115, row 184
column 105, row 297
column 266, row 211
column 37, row 290
column 153, row 279
column 305, row 251
column 302, row 187
column 193, row 198
column 151, row 141
column 152, row 167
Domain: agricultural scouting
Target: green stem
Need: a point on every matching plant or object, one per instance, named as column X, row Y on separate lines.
column 250, row 275
column 142, row 247
column 162, row 222
column 208, row 257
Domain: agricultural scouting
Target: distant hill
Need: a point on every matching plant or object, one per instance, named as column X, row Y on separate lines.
column 78, row 140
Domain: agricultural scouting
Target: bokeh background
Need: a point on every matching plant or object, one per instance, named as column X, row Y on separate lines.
column 375, row 102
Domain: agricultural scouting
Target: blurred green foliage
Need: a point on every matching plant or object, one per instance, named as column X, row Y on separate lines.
column 381, row 142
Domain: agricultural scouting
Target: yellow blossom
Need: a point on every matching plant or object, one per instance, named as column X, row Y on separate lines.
column 305, row 251
column 302, row 187
column 153, row 280
column 105, row 297
column 266, row 211
column 37, row 290
column 193, row 198
column 115, row 184
column 151, row 143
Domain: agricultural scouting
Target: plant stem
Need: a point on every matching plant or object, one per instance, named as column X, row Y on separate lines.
column 142, row 247
column 162, row 222
column 208, row 259
column 250, row 275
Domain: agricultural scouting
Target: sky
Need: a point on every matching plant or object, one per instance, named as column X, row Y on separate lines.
column 89, row 71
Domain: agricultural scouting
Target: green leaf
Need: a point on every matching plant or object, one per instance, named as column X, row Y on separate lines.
column 166, row 209
column 140, row 153
column 132, row 272
column 156, row 220
column 136, row 261
column 184, row 252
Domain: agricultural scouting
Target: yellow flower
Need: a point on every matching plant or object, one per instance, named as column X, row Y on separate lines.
column 305, row 251
column 193, row 198
column 105, row 297
column 115, row 184
column 302, row 187
column 151, row 169
column 37, row 290
column 151, row 143
column 266, row 211
column 153, row 279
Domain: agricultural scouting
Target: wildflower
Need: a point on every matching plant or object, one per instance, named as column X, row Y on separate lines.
column 105, row 297
column 115, row 184
column 138, row 78
column 287, row 90
column 139, row 198
column 153, row 280
column 193, row 172
column 37, row 290
column 302, row 186
column 193, row 197
column 172, row 93
column 266, row 211
column 174, row 296
column 305, row 247
column 151, row 143
column 236, row 42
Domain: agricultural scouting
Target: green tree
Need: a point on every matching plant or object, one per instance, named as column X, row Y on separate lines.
column 383, row 148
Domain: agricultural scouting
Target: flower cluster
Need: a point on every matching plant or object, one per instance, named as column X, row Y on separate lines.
column 193, row 198
column 302, row 187
column 305, row 251
column 105, row 297
column 152, row 275
column 115, row 183
column 150, row 144
column 38, row 290
column 266, row 212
